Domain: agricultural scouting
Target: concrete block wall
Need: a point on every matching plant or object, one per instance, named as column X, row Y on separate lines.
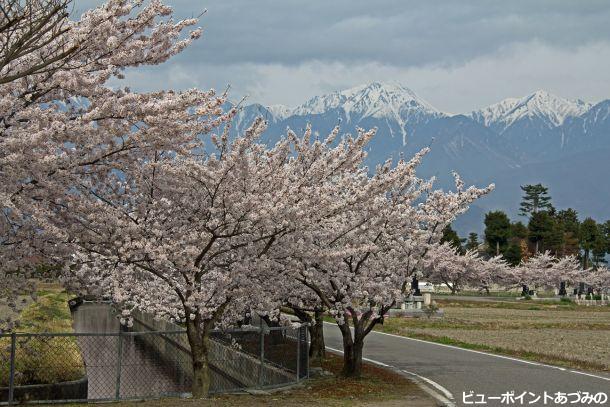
column 230, row 368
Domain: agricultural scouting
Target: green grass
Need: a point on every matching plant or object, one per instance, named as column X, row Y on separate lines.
column 44, row 359
column 49, row 314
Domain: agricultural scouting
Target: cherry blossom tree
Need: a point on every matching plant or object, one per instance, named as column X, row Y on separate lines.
column 202, row 238
column 63, row 127
column 358, row 260
column 543, row 271
column 443, row 264
column 598, row 279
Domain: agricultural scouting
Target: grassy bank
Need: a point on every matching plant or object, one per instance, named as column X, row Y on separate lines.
column 43, row 359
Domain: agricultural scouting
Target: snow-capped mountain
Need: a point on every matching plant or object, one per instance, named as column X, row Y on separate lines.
column 378, row 100
column 393, row 108
column 279, row 112
column 516, row 141
column 541, row 105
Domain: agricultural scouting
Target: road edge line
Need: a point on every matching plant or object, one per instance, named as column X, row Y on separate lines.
column 438, row 392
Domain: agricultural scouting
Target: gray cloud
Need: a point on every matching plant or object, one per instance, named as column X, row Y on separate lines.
column 283, row 51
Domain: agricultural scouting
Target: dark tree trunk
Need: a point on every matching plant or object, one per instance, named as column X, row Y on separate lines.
column 317, row 347
column 352, row 351
column 352, row 359
column 525, row 290
column 199, row 340
column 415, row 286
column 562, row 289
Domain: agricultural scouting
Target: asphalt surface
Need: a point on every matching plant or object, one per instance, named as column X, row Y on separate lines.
column 460, row 371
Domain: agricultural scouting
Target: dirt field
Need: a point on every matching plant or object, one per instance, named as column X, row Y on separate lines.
column 564, row 334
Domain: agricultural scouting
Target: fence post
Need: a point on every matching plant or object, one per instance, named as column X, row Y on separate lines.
column 117, row 394
column 299, row 353
column 261, row 371
column 307, row 350
column 11, row 380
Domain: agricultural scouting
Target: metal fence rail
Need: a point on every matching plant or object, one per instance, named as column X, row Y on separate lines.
column 61, row 367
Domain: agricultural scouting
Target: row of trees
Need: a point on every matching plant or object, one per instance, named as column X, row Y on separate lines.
column 558, row 231
column 458, row 268
column 144, row 198
column 549, row 236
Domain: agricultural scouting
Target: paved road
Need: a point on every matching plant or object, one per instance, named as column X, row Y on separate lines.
column 460, row 370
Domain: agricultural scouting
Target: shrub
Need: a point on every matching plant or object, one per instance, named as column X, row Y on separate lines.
column 43, row 359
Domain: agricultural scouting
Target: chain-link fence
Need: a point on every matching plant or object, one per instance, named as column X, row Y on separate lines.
column 144, row 364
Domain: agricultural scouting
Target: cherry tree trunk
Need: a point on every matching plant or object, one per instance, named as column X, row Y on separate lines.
column 317, row 347
column 199, row 340
column 352, row 352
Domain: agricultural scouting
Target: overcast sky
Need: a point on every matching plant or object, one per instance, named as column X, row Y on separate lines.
column 458, row 55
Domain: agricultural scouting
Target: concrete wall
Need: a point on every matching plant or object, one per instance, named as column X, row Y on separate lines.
column 73, row 390
column 230, row 368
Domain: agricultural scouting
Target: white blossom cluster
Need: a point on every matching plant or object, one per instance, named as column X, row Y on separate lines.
column 63, row 129
column 445, row 265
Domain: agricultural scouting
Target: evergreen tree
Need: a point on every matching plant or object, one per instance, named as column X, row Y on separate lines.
column 568, row 218
column 555, row 239
column 497, row 232
column 540, row 229
column 606, row 232
column 588, row 235
column 518, row 230
column 517, row 243
column 473, row 241
column 598, row 251
column 600, row 245
column 536, row 199
column 451, row 236
column 513, row 254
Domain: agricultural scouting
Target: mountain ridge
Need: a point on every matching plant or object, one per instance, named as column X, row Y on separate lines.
column 539, row 131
